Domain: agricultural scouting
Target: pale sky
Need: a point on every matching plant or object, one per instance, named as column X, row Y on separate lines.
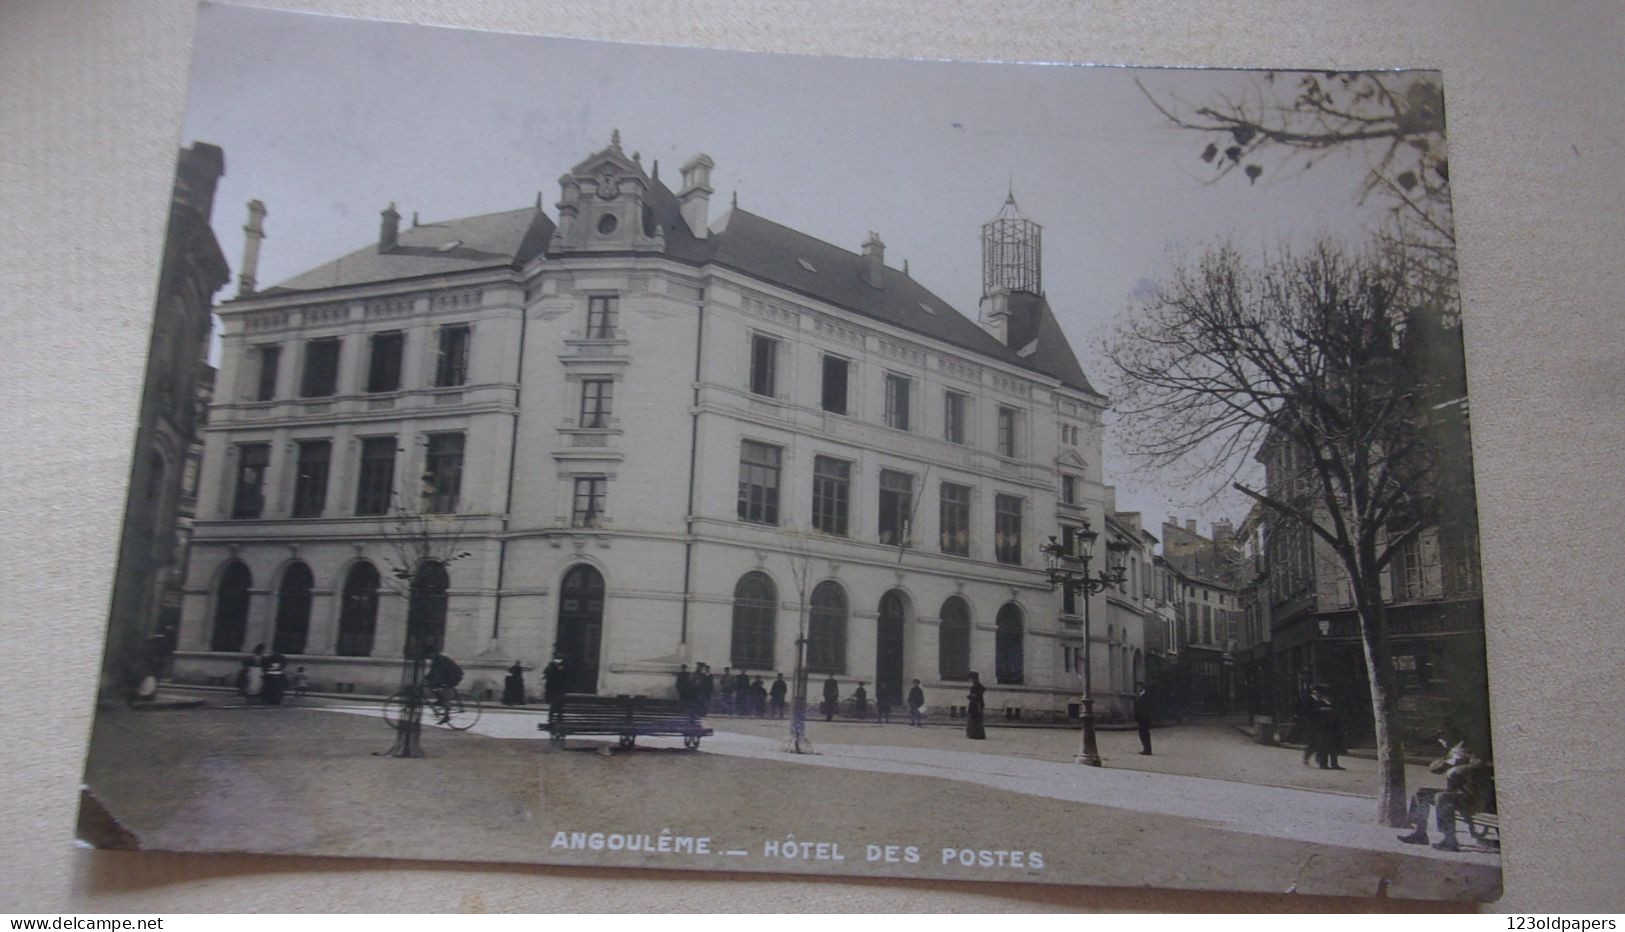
column 327, row 120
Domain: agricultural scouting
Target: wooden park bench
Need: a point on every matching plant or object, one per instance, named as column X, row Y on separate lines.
column 626, row 717
column 1484, row 827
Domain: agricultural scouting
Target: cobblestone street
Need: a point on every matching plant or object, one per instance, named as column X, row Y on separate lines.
column 310, row 779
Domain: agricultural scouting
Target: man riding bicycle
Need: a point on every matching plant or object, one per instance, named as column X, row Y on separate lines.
column 443, row 676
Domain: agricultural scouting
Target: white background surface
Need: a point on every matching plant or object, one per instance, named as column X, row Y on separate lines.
column 91, row 104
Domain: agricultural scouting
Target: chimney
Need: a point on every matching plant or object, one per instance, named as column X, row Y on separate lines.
column 874, row 260
column 1223, row 530
column 1190, row 525
column 694, row 195
column 389, row 228
column 253, row 232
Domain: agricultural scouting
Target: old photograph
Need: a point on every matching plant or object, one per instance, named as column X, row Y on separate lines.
column 577, row 453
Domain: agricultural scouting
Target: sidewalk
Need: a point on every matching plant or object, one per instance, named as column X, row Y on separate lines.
column 1329, row 818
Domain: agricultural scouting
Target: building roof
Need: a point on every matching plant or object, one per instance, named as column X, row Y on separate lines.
column 742, row 241
column 508, row 238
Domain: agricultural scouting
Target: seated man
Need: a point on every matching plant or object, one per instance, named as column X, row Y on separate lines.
column 1469, row 787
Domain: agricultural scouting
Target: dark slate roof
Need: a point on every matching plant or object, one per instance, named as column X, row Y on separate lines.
column 510, row 238
column 744, row 242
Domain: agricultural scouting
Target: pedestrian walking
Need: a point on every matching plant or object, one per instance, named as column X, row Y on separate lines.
column 299, row 683
column 916, row 706
column 973, row 709
column 882, row 705
column 758, row 698
column 704, row 686
column 728, row 685
column 1142, row 717
column 276, row 679
column 832, row 698
column 776, row 693
column 255, row 686
column 513, row 685
column 1307, row 726
column 1328, row 729
column 742, row 693
column 860, row 702
column 555, row 686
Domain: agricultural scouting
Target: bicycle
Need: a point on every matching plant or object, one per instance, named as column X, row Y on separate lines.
column 449, row 707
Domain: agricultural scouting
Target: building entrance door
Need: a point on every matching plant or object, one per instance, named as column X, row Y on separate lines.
column 889, row 651
column 581, row 625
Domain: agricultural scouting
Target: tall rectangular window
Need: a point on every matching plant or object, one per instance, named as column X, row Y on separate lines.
column 252, row 460
column 1069, row 490
column 896, row 506
column 376, row 479
column 764, row 365
column 452, row 366
column 602, row 311
column 759, row 482
column 384, row 361
column 310, row 485
column 835, row 375
column 269, row 356
column 832, row 489
column 954, row 406
column 1007, row 431
column 1007, row 529
column 442, row 473
column 597, row 397
column 954, row 514
column 588, row 507
column 897, row 389
column 321, row 376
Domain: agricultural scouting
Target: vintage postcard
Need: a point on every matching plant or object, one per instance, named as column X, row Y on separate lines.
column 567, row 452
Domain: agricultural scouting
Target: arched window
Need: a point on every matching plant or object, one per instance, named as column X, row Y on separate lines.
column 1008, row 651
column 358, row 616
column 231, row 608
column 755, row 608
column 293, row 610
column 426, row 608
column 953, row 640
column 826, row 629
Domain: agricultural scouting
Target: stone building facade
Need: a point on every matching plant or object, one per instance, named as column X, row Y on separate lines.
column 147, row 587
column 641, row 436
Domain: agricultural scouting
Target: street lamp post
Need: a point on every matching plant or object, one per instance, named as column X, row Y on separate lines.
column 1069, row 572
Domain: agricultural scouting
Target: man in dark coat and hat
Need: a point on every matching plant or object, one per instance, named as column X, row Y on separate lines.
column 832, row 698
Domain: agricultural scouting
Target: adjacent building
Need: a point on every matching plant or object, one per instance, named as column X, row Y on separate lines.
column 147, row 587
column 641, row 432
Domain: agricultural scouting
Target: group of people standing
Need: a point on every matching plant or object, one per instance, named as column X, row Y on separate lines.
column 1320, row 728
column 860, row 703
column 740, row 693
column 264, row 679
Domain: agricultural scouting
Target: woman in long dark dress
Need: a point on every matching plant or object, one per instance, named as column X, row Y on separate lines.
column 973, row 711
column 513, row 686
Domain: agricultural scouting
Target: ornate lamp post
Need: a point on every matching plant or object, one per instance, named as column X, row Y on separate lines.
column 1069, row 572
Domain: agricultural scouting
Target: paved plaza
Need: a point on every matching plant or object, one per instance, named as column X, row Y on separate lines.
column 1210, row 810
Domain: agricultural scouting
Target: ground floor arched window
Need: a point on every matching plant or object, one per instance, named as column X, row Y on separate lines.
column 231, row 608
column 358, row 615
column 426, row 608
column 826, row 629
column 293, row 610
column 1009, row 653
column 755, row 610
column 953, row 640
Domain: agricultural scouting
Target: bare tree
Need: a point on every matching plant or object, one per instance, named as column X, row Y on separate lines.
column 423, row 542
column 1394, row 120
column 1304, row 359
